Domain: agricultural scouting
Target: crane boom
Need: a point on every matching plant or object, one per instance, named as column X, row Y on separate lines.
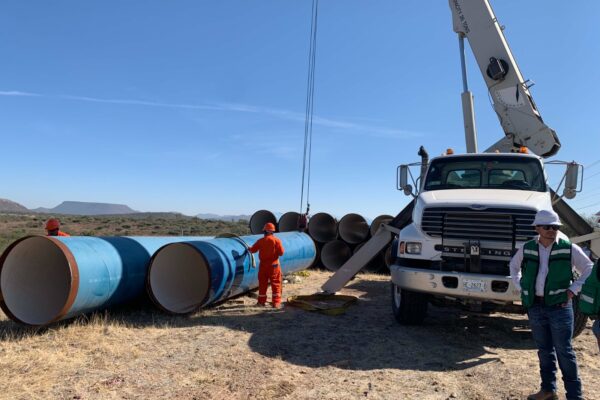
column 519, row 117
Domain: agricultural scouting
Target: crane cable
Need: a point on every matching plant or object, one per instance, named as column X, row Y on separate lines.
column 308, row 121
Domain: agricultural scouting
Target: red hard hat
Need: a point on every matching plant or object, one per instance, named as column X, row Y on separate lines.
column 52, row 224
column 269, row 227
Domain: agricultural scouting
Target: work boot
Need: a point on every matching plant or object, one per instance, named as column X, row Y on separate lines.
column 543, row 395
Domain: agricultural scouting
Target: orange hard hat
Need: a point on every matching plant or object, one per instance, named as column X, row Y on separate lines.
column 52, row 224
column 269, row 227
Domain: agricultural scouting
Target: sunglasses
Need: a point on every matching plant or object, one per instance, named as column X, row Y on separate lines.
column 548, row 227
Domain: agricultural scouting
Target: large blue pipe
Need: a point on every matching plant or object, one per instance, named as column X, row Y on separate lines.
column 46, row 279
column 183, row 277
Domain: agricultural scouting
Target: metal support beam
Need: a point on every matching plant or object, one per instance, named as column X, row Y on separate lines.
column 467, row 102
column 361, row 258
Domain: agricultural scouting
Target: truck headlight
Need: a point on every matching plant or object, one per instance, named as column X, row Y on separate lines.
column 413, row 247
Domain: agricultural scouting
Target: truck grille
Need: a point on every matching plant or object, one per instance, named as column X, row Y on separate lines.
column 495, row 224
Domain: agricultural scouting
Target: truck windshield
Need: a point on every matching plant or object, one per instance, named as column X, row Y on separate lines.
column 510, row 172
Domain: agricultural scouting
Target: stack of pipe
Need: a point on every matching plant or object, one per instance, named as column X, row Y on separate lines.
column 46, row 279
column 335, row 241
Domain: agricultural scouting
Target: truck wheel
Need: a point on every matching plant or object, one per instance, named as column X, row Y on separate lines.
column 579, row 320
column 410, row 308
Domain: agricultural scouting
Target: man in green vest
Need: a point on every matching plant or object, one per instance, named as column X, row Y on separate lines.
column 589, row 300
column 543, row 270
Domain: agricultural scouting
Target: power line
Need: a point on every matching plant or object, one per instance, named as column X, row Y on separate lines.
column 588, row 206
column 591, row 176
column 589, row 193
column 593, row 164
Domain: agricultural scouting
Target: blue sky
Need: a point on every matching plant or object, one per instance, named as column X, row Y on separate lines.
column 198, row 106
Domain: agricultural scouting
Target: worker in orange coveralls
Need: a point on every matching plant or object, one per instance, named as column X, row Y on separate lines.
column 53, row 228
column 270, row 249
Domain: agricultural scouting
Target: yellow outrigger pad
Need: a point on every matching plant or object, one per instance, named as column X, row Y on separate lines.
column 328, row 304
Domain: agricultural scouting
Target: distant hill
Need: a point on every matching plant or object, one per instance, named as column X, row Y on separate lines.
column 85, row 208
column 11, row 206
column 230, row 218
column 172, row 215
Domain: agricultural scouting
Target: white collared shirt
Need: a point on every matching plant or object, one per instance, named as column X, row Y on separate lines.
column 581, row 263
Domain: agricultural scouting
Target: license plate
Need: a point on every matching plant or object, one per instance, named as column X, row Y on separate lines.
column 474, row 285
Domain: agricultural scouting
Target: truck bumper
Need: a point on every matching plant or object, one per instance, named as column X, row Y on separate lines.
column 456, row 284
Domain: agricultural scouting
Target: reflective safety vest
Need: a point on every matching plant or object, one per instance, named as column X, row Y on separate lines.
column 560, row 273
column 589, row 299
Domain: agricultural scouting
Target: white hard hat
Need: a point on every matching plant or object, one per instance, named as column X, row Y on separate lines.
column 546, row 217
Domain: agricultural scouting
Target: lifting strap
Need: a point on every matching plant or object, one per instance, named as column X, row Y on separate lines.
column 308, row 121
column 328, row 304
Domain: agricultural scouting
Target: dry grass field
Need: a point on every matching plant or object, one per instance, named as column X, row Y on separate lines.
column 238, row 351
column 14, row 226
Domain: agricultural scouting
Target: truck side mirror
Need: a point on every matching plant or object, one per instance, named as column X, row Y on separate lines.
column 571, row 180
column 402, row 180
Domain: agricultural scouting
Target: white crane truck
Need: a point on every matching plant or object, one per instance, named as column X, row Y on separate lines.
column 471, row 211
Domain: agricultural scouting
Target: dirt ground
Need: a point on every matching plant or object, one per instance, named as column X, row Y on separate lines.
column 238, row 351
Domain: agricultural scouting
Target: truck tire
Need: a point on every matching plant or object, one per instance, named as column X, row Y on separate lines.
column 410, row 308
column 579, row 319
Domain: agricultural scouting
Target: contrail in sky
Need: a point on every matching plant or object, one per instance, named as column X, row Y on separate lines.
column 228, row 107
